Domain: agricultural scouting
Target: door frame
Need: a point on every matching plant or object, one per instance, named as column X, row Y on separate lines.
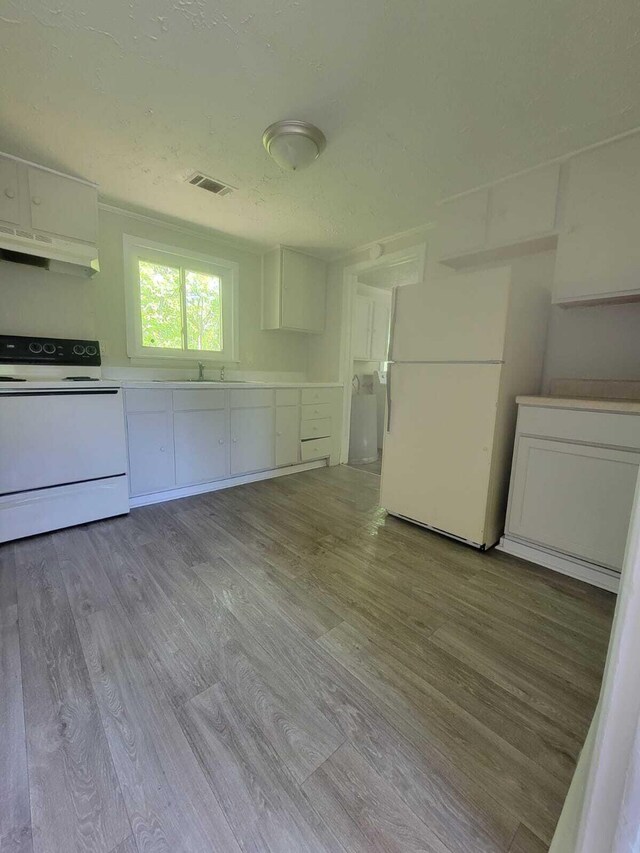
column 417, row 253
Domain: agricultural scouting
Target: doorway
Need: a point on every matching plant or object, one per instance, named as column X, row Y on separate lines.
column 368, row 319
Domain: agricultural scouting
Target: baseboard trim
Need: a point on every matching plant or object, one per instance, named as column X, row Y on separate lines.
column 217, row 485
column 579, row 569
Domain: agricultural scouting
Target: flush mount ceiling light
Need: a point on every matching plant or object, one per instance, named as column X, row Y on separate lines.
column 294, row 145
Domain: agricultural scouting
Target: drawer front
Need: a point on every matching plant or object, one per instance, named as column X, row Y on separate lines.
column 251, row 398
column 317, row 410
column 287, row 396
column 609, row 428
column 147, row 400
column 198, row 400
column 316, row 428
column 317, row 448
column 317, row 395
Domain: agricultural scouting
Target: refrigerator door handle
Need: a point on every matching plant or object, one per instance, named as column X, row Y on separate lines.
column 392, row 323
column 389, row 397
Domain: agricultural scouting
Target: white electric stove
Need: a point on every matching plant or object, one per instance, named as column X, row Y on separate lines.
column 62, row 439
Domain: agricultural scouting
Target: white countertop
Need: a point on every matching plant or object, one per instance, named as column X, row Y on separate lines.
column 177, row 383
column 589, row 404
column 56, row 384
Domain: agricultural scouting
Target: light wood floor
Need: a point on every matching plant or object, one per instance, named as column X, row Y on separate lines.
column 281, row 667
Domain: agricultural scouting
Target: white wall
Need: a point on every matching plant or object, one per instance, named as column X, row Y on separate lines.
column 34, row 301
column 594, row 342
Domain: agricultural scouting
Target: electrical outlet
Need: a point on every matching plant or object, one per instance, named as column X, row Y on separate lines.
column 104, row 349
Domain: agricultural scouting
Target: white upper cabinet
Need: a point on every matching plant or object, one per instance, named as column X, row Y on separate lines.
column 62, row 206
column 598, row 256
column 362, row 316
column 462, row 224
column 514, row 217
column 293, row 291
column 38, row 200
column 371, row 315
column 380, row 331
column 9, row 192
column 524, row 207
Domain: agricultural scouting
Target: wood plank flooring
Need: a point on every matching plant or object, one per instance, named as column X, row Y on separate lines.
column 282, row 667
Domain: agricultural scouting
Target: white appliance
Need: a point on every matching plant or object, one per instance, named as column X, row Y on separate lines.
column 461, row 349
column 62, row 441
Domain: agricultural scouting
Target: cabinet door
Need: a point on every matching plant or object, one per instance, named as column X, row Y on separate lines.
column 573, row 498
column 462, row 224
column 524, row 207
column 303, row 291
column 380, row 331
column 63, row 206
column 201, row 446
column 252, row 440
column 9, row 195
column 362, row 315
column 598, row 255
column 287, row 435
column 150, row 442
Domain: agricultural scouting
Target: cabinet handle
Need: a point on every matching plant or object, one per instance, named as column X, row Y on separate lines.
column 162, row 450
column 234, row 440
column 221, row 441
column 10, row 193
column 36, row 200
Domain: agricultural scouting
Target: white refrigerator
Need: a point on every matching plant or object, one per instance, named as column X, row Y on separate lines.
column 462, row 348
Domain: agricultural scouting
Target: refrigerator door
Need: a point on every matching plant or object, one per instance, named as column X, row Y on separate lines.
column 460, row 318
column 437, row 451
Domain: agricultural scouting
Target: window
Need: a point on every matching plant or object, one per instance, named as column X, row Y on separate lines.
column 179, row 304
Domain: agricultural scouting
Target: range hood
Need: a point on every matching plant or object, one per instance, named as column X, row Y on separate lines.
column 49, row 253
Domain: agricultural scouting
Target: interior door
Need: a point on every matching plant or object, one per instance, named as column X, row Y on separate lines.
column 459, row 318
column 437, row 450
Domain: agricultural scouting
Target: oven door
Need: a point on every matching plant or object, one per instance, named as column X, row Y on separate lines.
column 53, row 437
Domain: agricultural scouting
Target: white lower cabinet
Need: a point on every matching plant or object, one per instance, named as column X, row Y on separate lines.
column 201, row 446
column 287, row 435
column 192, row 436
column 252, row 439
column 572, row 487
column 574, row 498
column 150, row 442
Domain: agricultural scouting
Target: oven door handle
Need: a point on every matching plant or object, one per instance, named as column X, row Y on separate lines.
column 54, row 392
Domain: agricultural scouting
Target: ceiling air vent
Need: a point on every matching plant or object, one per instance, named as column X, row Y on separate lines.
column 209, row 184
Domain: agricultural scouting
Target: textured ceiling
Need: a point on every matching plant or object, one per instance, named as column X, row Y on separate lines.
column 418, row 99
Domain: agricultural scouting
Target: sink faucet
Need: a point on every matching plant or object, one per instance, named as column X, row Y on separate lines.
column 222, row 373
column 200, row 372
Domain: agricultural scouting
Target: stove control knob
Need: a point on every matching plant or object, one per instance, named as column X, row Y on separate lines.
column 35, row 347
column 91, row 350
column 78, row 349
column 49, row 349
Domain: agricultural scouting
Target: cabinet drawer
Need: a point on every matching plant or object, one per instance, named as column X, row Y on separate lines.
column 147, row 400
column 317, row 448
column 606, row 428
column 198, row 400
column 319, row 410
column 316, row 428
column 316, row 395
column 251, row 398
column 287, row 396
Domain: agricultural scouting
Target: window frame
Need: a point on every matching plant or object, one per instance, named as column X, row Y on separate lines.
column 138, row 248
